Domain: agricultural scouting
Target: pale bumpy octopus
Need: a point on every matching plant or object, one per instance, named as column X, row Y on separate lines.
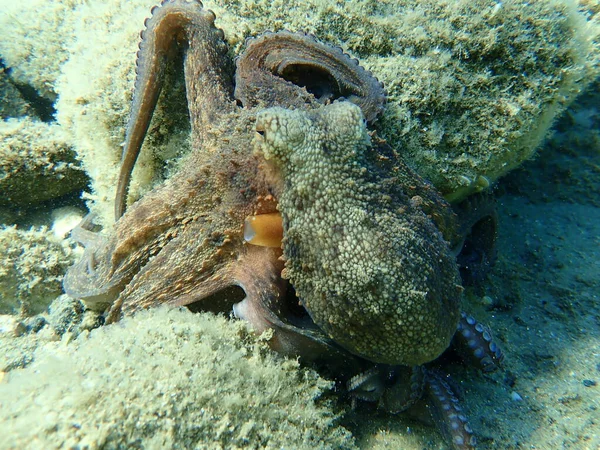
column 340, row 249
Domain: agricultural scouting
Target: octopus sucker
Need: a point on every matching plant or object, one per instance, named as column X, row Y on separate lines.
column 448, row 414
column 476, row 343
column 394, row 389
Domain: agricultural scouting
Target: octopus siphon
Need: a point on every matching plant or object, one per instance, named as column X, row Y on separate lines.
column 336, row 246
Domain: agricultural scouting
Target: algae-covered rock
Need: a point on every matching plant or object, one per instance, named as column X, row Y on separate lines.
column 475, row 94
column 166, row 379
column 34, row 40
column 32, row 265
column 12, row 103
column 36, row 163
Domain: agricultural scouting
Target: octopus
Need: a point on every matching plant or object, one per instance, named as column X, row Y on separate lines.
column 289, row 211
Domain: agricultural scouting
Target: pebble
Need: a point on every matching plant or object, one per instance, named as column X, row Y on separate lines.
column 515, row 397
column 486, row 300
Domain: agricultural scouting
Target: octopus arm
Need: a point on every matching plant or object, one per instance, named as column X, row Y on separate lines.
column 90, row 279
column 173, row 22
column 447, row 413
column 266, row 307
column 290, row 69
column 475, row 343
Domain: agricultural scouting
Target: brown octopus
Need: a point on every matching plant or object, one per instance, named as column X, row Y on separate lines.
column 340, row 249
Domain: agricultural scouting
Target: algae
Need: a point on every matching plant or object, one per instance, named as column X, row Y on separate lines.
column 32, row 265
column 36, row 163
column 167, row 379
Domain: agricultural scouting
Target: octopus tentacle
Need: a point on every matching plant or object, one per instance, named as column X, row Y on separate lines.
column 293, row 69
column 475, row 342
column 406, row 388
column 394, row 388
column 266, row 307
column 90, row 278
column 476, row 248
column 173, row 22
column 397, row 388
column 367, row 386
column 448, row 414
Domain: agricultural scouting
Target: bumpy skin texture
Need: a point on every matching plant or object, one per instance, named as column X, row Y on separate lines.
column 370, row 267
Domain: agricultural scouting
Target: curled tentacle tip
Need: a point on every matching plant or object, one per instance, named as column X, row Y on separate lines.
column 211, row 16
column 265, row 230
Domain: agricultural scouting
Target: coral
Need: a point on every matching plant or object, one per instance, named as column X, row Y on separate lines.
column 32, row 264
column 36, row 163
column 166, row 379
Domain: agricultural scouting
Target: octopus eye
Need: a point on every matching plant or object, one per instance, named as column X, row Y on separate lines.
column 265, row 230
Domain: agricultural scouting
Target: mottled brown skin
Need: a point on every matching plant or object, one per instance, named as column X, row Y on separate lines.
column 183, row 241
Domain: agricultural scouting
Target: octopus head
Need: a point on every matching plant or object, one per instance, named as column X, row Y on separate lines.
column 369, row 266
